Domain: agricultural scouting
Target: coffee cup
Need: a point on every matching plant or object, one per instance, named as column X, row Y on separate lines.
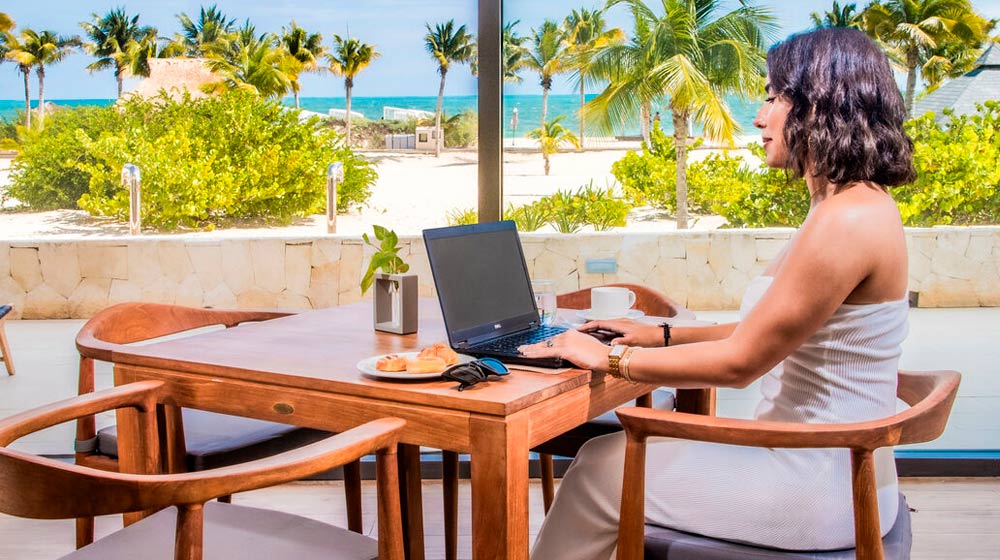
column 611, row 302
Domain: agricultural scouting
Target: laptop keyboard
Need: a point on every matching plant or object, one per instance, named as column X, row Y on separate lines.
column 509, row 344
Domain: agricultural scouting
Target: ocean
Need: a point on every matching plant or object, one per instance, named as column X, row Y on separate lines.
column 529, row 109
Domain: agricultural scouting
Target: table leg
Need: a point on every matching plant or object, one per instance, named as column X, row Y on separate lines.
column 449, row 484
column 696, row 401
column 410, row 500
column 500, row 488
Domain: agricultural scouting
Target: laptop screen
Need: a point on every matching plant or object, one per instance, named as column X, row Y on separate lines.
column 481, row 278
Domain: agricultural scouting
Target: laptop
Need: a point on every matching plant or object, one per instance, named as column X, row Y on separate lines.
column 485, row 292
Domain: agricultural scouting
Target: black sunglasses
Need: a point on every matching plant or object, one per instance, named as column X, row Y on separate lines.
column 470, row 373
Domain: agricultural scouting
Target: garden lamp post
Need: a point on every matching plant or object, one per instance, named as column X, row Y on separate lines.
column 132, row 181
column 513, row 128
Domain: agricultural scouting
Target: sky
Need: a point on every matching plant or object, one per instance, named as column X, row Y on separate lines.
column 396, row 27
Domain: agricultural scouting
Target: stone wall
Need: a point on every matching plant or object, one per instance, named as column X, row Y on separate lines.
column 74, row 278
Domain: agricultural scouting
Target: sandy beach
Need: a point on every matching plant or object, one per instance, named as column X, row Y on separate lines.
column 414, row 191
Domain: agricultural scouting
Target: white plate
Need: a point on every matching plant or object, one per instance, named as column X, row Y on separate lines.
column 367, row 366
column 588, row 315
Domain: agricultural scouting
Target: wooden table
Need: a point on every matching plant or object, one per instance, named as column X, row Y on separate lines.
column 301, row 370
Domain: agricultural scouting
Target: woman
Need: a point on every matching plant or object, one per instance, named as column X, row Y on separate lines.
column 823, row 326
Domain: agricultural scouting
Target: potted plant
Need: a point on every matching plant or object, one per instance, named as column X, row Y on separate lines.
column 395, row 296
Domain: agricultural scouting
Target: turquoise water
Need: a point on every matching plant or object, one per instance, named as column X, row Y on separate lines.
column 529, row 108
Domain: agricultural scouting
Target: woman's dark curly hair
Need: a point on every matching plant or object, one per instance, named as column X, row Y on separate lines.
column 846, row 120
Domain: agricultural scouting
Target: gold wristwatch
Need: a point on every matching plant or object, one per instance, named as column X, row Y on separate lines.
column 614, row 359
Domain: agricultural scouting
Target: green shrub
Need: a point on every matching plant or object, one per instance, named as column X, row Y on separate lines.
column 569, row 212
column 529, row 217
column 745, row 197
column 49, row 173
column 462, row 216
column 461, row 130
column 204, row 162
column 958, row 170
column 9, row 131
column 600, row 207
column 651, row 177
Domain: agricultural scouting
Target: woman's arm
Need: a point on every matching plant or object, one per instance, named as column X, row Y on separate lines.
column 633, row 333
column 842, row 242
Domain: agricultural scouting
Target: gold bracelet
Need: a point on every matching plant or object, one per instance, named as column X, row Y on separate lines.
column 623, row 365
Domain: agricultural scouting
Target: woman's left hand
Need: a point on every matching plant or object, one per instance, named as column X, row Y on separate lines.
column 582, row 349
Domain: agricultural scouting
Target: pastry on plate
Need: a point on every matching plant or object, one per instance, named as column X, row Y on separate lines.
column 431, row 364
column 391, row 362
column 440, row 350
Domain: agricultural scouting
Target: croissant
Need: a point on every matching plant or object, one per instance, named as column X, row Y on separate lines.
column 440, row 350
column 391, row 362
column 425, row 365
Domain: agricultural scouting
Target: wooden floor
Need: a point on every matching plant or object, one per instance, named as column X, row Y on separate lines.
column 954, row 518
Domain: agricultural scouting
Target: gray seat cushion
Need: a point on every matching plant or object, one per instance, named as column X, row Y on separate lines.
column 216, row 440
column 569, row 443
column 668, row 544
column 234, row 532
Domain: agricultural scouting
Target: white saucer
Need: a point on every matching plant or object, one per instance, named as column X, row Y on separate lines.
column 588, row 315
column 367, row 366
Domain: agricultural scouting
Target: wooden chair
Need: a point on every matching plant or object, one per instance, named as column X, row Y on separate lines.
column 8, row 361
column 929, row 394
column 209, row 440
column 41, row 488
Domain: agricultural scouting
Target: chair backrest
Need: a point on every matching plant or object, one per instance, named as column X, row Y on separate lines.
column 41, row 488
column 126, row 323
column 647, row 300
column 130, row 322
column 930, row 395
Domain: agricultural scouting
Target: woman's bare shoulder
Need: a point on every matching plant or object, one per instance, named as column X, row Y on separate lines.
column 859, row 208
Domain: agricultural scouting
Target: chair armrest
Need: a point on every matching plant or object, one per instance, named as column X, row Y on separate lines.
column 141, row 395
column 199, row 487
column 641, row 423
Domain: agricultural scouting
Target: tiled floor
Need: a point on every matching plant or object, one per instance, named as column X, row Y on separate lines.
column 954, row 518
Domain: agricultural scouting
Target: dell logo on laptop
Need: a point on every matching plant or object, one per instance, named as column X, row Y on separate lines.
column 496, row 327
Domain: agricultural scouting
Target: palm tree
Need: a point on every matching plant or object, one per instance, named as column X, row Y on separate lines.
column 690, row 54
column 587, row 33
column 251, row 63
column 950, row 59
column 512, row 52
column 839, row 16
column 209, row 35
column 6, row 26
column 14, row 51
column 911, row 30
column 39, row 49
column 446, row 45
column 549, row 56
column 114, row 40
column 348, row 59
column 304, row 50
column 551, row 136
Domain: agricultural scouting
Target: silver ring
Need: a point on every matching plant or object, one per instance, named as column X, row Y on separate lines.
column 548, row 343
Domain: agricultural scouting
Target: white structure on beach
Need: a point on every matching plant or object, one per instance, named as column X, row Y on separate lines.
column 176, row 76
column 398, row 114
column 342, row 114
column 426, row 138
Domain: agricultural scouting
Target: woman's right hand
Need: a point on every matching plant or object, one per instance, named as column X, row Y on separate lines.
column 630, row 333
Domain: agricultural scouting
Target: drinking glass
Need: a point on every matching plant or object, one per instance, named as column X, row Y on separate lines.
column 545, row 300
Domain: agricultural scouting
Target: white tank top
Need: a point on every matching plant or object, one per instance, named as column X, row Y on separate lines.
column 845, row 372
